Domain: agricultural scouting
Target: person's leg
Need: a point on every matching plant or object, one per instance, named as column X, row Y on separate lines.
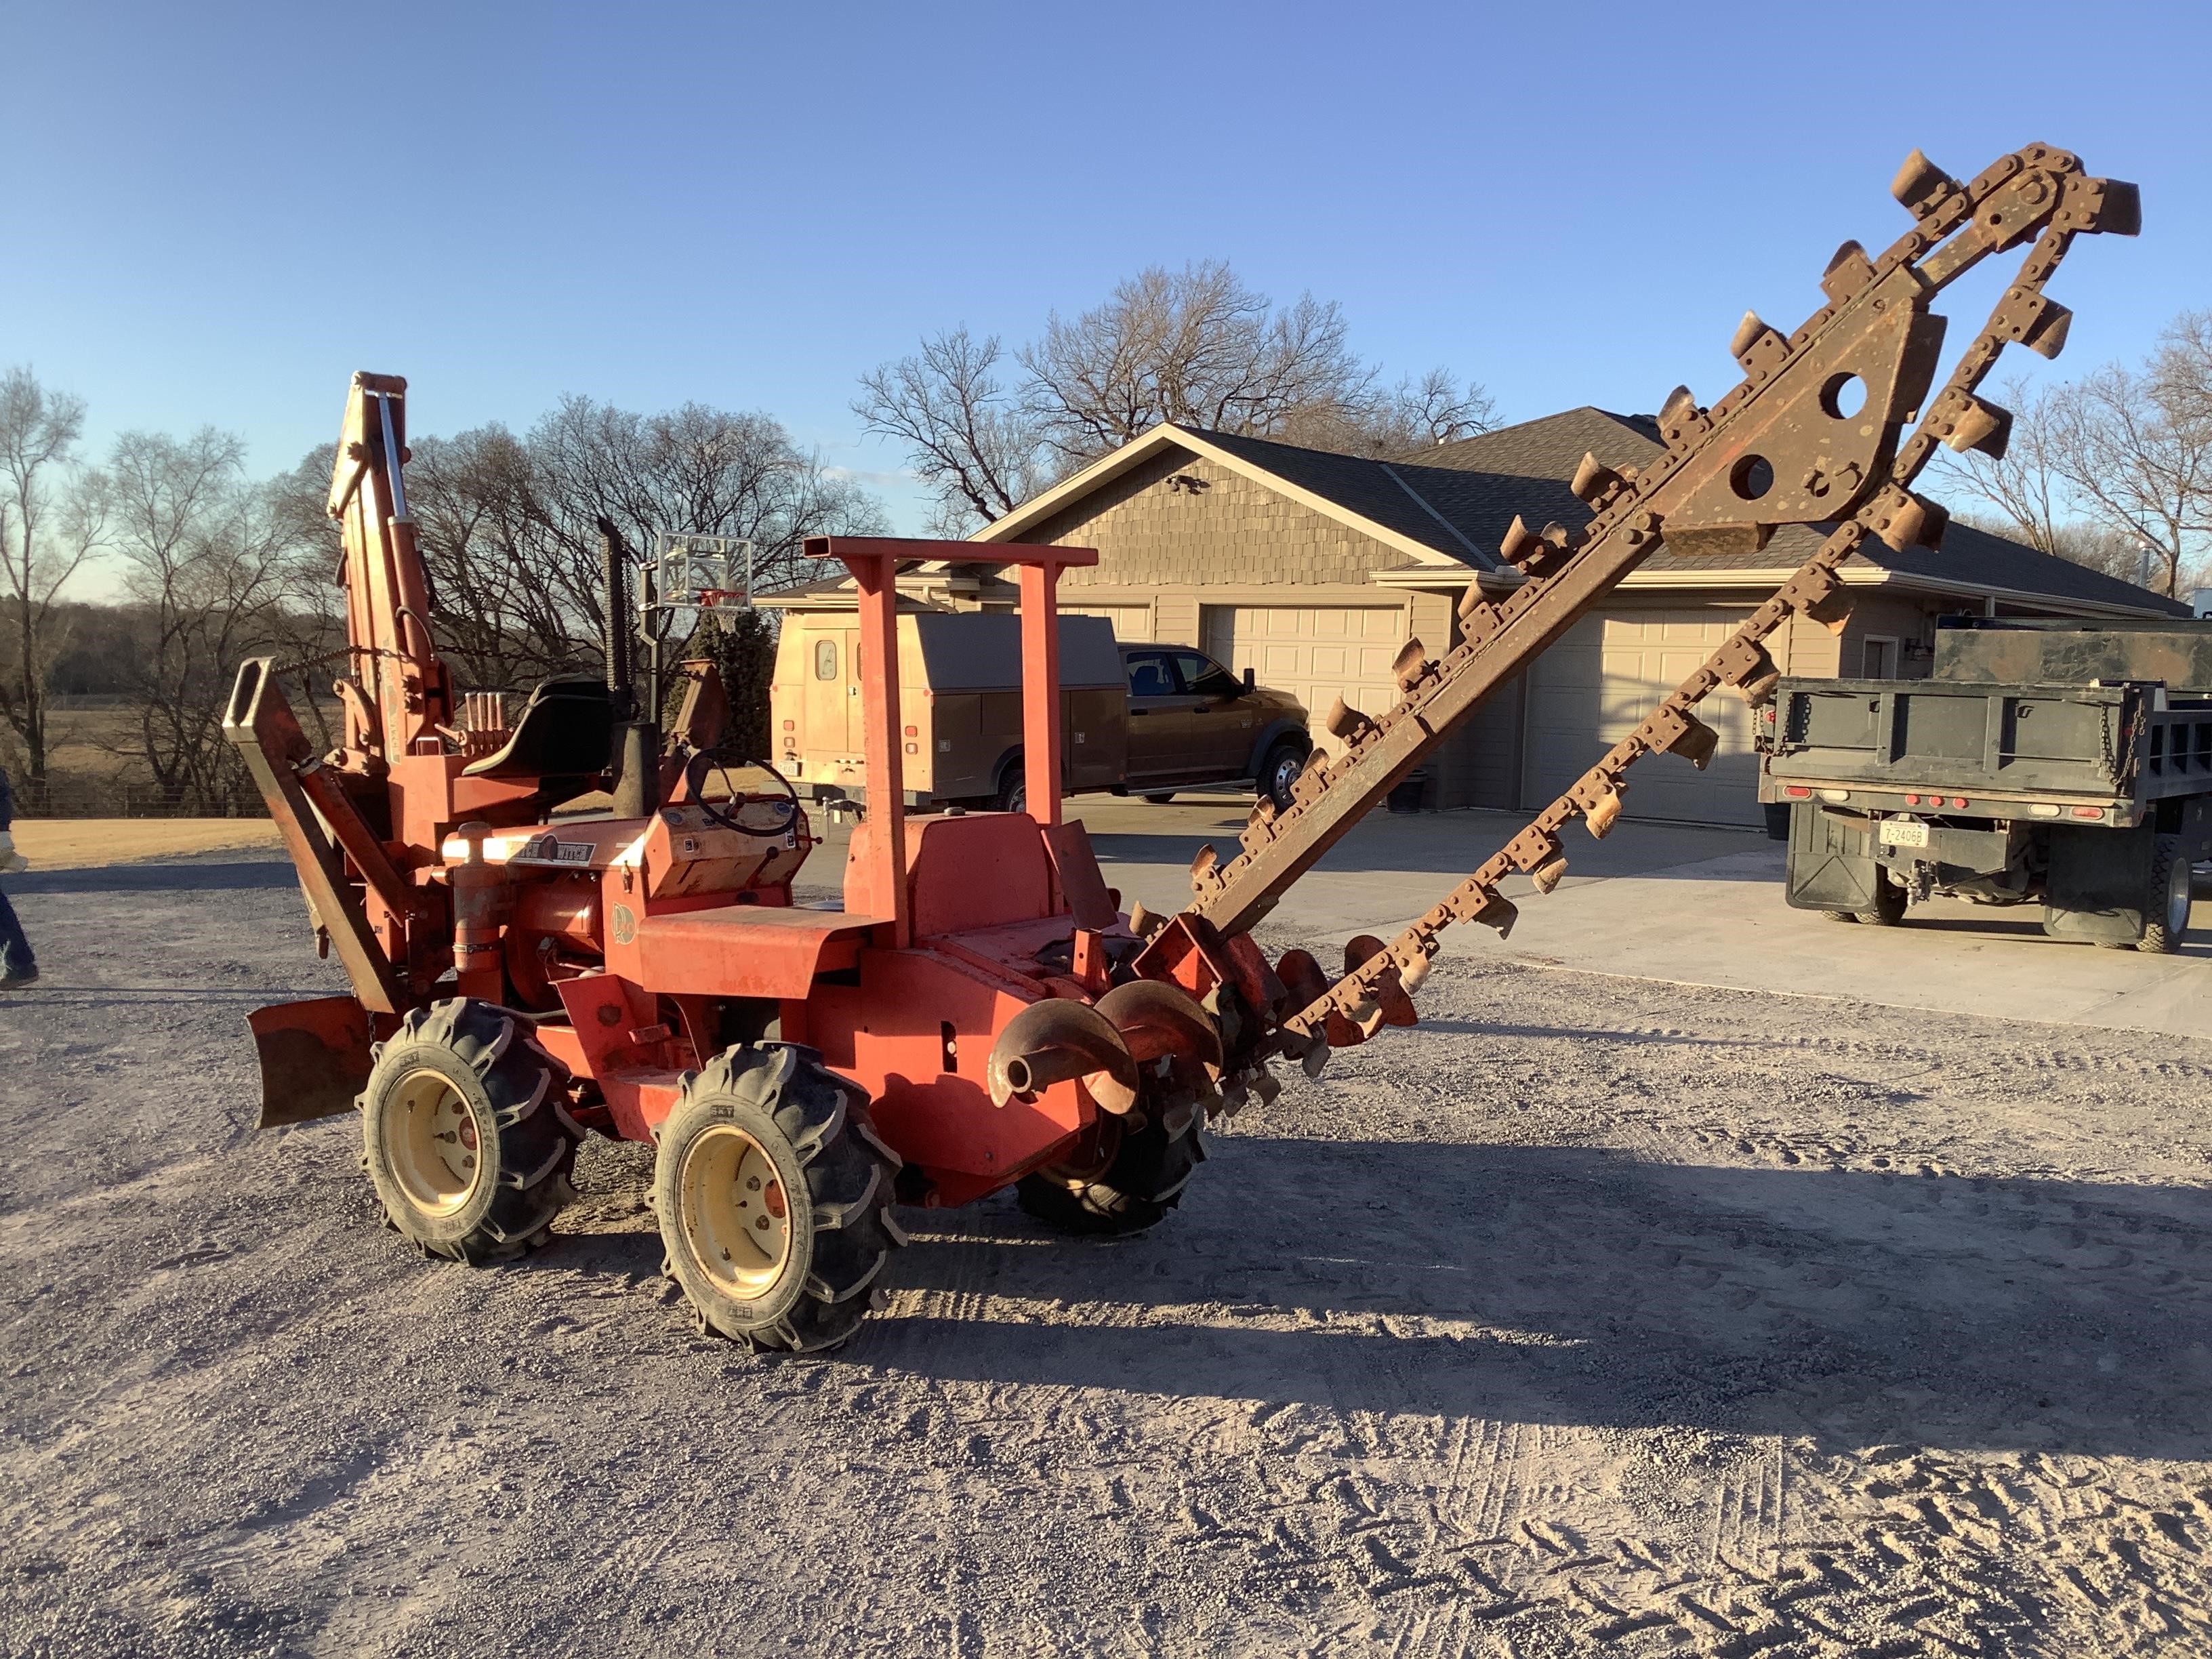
column 16, row 962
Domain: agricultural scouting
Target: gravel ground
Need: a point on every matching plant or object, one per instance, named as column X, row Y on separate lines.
column 1599, row 1316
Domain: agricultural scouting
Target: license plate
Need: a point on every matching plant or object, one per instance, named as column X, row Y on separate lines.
column 1903, row 832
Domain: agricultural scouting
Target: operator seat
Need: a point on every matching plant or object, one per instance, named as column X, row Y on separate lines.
column 565, row 731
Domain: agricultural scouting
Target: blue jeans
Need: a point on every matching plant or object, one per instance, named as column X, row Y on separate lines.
column 15, row 956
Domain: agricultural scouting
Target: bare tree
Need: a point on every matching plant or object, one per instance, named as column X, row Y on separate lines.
column 2024, row 491
column 508, row 524
column 2136, row 453
column 2100, row 470
column 218, row 568
column 1195, row 347
column 1399, row 424
column 50, row 523
column 966, row 438
column 2181, row 372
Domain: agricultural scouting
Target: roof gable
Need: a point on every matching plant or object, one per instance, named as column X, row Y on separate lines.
column 1386, row 502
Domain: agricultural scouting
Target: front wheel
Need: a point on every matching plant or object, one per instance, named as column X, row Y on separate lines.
column 1279, row 773
column 774, row 1197
column 1014, row 794
column 2165, row 915
column 463, row 1132
column 1137, row 1179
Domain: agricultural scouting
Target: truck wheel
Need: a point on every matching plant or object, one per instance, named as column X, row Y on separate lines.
column 1279, row 773
column 1841, row 915
column 2165, row 908
column 1014, row 794
column 463, row 1132
column 775, row 1195
column 1138, row 1183
column 1888, row 903
column 1159, row 801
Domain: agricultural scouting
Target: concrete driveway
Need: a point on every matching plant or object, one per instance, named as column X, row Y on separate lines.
column 1674, row 902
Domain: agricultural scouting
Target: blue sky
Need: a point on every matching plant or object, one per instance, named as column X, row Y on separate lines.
column 215, row 213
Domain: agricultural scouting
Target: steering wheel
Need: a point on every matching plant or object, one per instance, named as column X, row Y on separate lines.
column 776, row 813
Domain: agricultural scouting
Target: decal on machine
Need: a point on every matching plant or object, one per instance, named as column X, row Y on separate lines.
column 545, row 849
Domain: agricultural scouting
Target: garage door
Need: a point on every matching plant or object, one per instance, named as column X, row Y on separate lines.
column 1598, row 683
column 1316, row 652
column 1131, row 622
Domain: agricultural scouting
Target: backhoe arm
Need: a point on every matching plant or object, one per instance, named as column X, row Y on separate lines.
column 404, row 695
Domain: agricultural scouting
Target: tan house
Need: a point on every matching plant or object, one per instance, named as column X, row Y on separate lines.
column 1312, row 569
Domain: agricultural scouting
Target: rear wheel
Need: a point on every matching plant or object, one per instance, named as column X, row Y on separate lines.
column 1888, row 903
column 1159, row 801
column 2166, row 909
column 1137, row 1179
column 465, row 1133
column 1279, row 773
column 774, row 1195
column 1014, row 792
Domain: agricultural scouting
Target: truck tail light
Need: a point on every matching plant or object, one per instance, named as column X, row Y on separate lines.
column 1958, row 801
column 1913, row 800
column 1797, row 792
column 2088, row 811
column 913, row 732
column 791, row 726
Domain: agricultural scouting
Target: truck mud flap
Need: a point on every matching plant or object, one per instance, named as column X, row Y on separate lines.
column 1831, row 865
column 2098, row 882
column 314, row 1057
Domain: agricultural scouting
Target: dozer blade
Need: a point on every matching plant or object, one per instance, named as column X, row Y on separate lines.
column 314, row 1057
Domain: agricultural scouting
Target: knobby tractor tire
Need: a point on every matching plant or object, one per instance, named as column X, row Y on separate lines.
column 774, row 1193
column 2165, row 905
column 465, row 1132
column 1140, row 1181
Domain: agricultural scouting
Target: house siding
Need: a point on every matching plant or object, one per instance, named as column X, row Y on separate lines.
column 1230, row 530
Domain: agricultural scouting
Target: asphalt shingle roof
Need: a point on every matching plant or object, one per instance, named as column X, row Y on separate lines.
column 1478, row 484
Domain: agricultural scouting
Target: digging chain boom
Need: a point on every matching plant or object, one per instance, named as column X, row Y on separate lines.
column 1790, row 445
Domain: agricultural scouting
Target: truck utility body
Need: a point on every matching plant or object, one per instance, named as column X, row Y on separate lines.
column 2093, row 794
column 1139, row 719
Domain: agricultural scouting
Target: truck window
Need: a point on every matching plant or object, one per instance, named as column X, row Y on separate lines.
column 825, row 659
column 1202, row 677
column 1149, row 675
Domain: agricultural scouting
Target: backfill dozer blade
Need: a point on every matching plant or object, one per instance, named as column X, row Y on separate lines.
column 314, row 1057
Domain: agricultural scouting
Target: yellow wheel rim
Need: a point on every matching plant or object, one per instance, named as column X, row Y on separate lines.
column 737, row 1215
column 430, row 1145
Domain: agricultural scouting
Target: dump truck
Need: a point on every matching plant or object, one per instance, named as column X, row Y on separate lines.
column 981, row 1013
column 2059, row 764
column 1138, row 719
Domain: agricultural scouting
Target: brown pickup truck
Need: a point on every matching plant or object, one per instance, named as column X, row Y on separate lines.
column 1141, row 719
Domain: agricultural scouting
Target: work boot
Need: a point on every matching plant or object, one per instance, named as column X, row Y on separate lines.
column 19, row 976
